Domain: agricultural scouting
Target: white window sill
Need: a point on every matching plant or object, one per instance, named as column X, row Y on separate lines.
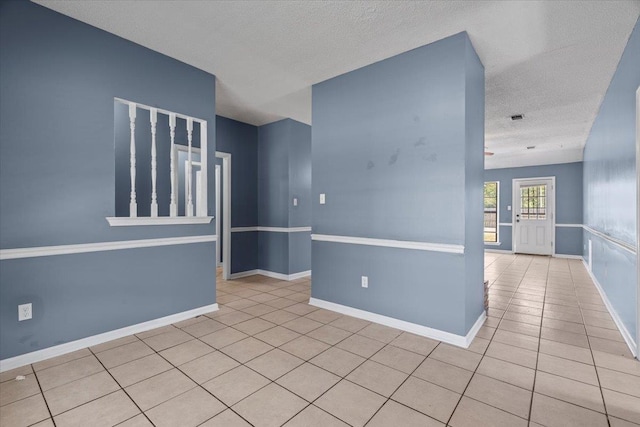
column 159, row 220
column 492, row 243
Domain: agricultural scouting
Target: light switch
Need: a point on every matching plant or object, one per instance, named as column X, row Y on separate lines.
column 295, row 201
column 322, row 199
column 509, row 207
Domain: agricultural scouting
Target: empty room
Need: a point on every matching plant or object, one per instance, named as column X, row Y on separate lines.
column 319, row 213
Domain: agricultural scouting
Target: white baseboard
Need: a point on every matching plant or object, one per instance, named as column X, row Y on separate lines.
column 498, row 251
column 273, row 274
column 425, row 331
column 614, row 314
column 567, row 256
column 58, row 350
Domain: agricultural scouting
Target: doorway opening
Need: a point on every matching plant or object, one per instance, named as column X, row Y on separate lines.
column 223, row 213
column 534, row 216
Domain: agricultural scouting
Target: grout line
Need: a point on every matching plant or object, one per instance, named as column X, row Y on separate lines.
column 42, row 394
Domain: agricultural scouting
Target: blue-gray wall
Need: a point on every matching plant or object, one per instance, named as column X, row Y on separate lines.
column 610, row 186
column 568, row 240
column 241, row 141
column 284, row 172
column 392, row 144
column 58, row 79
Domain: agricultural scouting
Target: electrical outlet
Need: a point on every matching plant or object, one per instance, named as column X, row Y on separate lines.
column 24, row 312
column 365, row 281
column 295, row 201
column 323, row 199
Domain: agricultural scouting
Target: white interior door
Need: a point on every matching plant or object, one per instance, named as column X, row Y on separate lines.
column 533, row 226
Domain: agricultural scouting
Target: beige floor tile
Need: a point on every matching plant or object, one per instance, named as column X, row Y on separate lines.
column 622, row 405
column 247, row 349
column 393, row 413
column 351, row 403
column 501, row 395
column 517, row 340
column 312, row 416
column 329, row 334
column 520, row 328
column 556, row 413
column 68, row 372
column 381, row 333
column 184, row 323
column 619, row 381
column 281, row 303
column 350, row 324
column 259, row 309
column 509, row 353
column 604, row 333
column 232, row 318
column 415, row 343
column 578, row 340
column 472, row 413
column 236, row 384
column 279, row 317
column 439, row 405
column 240, row 304
column 271, row 406
column 376, row 377
column 226, row 418
column 11, row 374
column 360, row 345
column 186, row 410
column 566, row 351
column 302, row 325
column 323, row 316
column 139, row 369
column 139, row 420
column 338, row 361
column 168, row 339
column 59, row 360
column 79, row 392
column 576, row 328
column 568, row 368
column 617, row 363
column 456, row 356
column 523, row 318
column 253, row 326
column 304, row 347
column 156, row 331
column 608, row 346
column 617, row 422
column 24, row 412
column 444, row 374
column 114, row 343
column 300, row 309
column 186, row 352
column 123, row 354
column 159, row 389
column 208, row 366
column 571, row 391
column 507, row 372
column 479, row 345
column 46, row 423
column 274, row 363
column 223, row 338
column 397, row 358
column 13, row 390
column 106, row 411
column 203, row 328
column 308, row 381
column 277, row 336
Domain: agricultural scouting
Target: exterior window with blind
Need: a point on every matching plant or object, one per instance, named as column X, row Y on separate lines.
column 491, row 212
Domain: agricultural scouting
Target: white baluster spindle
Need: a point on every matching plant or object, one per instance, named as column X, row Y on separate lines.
column 173, row 207
column 153, row 116
column 133, row 206
column 189, row 167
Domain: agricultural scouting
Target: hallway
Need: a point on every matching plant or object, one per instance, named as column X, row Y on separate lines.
column 549, row 353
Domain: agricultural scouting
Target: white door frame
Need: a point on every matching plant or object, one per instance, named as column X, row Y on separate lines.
column 638, row 223
column 514, row 203
column 218, row 175
column 226, row 214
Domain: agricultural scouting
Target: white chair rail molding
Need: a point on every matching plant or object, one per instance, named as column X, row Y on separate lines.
column 165, row 180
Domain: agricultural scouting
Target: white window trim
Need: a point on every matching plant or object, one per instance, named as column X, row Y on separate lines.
column 497, row 242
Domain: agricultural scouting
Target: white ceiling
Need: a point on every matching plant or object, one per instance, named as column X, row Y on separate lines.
column 551, row 60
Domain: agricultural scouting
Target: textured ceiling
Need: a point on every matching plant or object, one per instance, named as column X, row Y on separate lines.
column 551, row 60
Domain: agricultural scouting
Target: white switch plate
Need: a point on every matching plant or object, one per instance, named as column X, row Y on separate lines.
column 509, row 207
column 295, row 201
column 24, row 312
column 322, row 199
column 365, row 281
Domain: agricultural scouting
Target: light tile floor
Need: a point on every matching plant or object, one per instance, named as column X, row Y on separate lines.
column 548, row 354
